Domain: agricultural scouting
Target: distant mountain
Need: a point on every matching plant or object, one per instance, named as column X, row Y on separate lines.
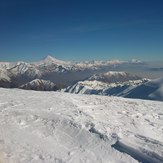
column 5, row 80
column 26, row 69
column 109, row 83
column 51, row 60
column 126, row 85
column 113, row 76
column 39, row 85
column 142, row 88
column 60, row 72
column 64, row 73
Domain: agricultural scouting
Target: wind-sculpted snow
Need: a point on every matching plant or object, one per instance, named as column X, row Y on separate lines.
column 54, row 127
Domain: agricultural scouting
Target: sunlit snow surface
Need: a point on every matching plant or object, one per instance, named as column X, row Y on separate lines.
column 53, row 127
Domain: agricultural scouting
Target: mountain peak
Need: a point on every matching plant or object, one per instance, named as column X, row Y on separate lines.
column 51, row 60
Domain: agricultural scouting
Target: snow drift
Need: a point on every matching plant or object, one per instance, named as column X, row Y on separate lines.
column 53, row 127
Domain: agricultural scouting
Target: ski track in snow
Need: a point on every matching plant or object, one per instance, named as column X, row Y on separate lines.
column 54, row 127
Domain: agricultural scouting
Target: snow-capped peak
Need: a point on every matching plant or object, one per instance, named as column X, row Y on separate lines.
column 51, row 60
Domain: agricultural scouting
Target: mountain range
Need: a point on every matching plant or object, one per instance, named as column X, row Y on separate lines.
column 62, row 73
column 14, row 74
column 86, row 77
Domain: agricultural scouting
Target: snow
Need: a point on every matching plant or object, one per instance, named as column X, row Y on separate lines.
column 7, row 65
column 4, row 75
column 55, row 127
column 40, row 85
column 97, row 64
column 158, row 84
column 103, row 88
column 22, row 68
column 141, row 89
column 51, row 60
column 114, row 76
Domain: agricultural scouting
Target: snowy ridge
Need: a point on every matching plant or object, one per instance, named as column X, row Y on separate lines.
column 103, row 88
column 83, row 87
column 52, row 127
column 5, row 80
column 7, row 65
column 40, row 85
column 142, row 89
column 23, row 68
column 4, row 75
column 114, row 76
column 97, row 64
column 152, row 90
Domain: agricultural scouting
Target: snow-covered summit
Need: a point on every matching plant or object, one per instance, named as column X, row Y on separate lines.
column 48, row 60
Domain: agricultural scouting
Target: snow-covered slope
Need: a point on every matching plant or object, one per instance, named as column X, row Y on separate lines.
column 5, row 80
column 114, row 77
column 25, row 69
column 39, row 85
column 109, row 83
column 103, row 88
column 108, row 89
column 4, row 74
column 150, row 90
column 53, row 127
column 141, row 89
column 7, row 65
column 94, row 65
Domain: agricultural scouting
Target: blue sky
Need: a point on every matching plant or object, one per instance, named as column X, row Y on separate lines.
column 81, row 29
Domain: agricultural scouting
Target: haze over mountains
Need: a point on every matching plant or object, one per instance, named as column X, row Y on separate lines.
column 112, row 77
column 60, row 72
